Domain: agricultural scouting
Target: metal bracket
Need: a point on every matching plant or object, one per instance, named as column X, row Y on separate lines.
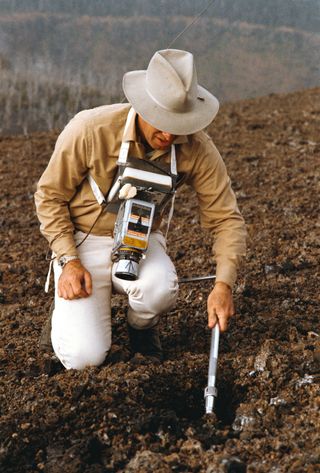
column 210, row 391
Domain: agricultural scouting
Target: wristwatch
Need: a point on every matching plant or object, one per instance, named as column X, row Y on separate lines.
column 63, row 260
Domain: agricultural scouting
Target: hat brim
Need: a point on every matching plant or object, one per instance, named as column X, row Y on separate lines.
column 199, row 115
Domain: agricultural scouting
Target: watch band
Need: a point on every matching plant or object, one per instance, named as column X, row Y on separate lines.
column 63, row 260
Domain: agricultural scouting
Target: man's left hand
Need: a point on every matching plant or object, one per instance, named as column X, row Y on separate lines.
column 220, row 306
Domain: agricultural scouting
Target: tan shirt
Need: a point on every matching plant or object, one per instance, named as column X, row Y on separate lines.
column 90, row 143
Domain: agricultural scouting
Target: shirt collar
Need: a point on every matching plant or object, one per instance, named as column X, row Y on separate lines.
column 181, row 139
column 131, row 132
column 178, row 141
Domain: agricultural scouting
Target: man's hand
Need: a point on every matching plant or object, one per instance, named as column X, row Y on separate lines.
column 220, row 306
column 75, row 281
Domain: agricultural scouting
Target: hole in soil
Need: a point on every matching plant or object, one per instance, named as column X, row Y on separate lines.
column 230, row 396
column 168, row 393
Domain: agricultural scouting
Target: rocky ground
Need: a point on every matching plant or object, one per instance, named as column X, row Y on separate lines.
column 129, row 417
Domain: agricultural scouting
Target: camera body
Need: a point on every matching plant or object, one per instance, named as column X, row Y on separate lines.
column 131, row 236
column 154, row 190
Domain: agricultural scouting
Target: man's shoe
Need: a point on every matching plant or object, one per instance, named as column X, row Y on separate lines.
column 147, row 342
column 45, row 344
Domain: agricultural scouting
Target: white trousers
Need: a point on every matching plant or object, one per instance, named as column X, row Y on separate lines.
column 81, row 328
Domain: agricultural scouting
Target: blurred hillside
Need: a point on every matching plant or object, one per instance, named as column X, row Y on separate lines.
column 59, row 57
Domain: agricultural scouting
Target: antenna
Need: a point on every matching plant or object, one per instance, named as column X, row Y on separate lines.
column 196, row 18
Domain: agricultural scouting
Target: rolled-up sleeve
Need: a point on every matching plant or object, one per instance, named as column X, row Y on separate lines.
column 219, row 210
column 67, row 168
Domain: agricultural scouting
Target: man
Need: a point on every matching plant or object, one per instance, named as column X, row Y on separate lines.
column 169, row 108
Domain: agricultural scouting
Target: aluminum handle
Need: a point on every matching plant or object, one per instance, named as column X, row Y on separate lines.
column 211, row 392
column 197, row 278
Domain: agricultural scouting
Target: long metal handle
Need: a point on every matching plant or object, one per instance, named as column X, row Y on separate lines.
column 211, row 391
column 197, row 278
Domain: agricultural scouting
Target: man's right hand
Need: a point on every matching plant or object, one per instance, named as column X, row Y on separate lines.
column 75, row 281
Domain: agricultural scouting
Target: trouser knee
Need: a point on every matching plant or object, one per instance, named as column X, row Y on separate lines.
column 145, row 312
column 160, row 297
column 79, row 357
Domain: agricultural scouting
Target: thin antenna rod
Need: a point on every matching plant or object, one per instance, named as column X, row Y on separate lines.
column 196, row 18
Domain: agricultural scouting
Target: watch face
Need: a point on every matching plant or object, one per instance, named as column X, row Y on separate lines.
column 65, row 259
column 62, row 262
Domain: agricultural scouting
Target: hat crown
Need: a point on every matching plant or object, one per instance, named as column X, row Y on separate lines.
column 171, row 80
column 167, row 95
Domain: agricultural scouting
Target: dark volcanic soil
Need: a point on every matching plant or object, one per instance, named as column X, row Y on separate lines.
column 147, row 418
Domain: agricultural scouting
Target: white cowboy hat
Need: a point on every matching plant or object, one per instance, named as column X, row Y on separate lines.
column 167, row 94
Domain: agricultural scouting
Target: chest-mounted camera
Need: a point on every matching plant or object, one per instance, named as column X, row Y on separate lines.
column 144, row 191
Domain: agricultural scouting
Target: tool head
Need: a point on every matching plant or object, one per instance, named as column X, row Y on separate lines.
column 209, row 404
column 210, row 393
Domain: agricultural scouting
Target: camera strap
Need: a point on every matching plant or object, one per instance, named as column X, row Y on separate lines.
column 96, row 190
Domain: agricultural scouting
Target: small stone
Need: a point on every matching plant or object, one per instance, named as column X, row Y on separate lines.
column 172, row 459
column 261, row 360
column 191, row 447
column 270, row 268
column 147, row 462
column 316, row 402
column 25, row 426
column 104, row 437
column 307, row 379
column 293, row 334
column 312, row 335
column 277, row 401
column 190, row 432
column 246, row 419
column 233, row 465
